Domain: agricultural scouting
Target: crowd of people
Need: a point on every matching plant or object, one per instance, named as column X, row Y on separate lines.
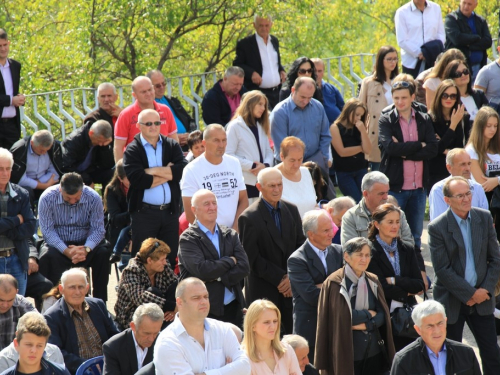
column 236, row 256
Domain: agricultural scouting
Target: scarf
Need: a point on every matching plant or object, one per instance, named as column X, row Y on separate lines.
column 392, row 248
column 359, row 288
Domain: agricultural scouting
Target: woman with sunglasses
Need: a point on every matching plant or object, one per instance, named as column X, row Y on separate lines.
column 448, row 119
column 302, row 67
column 147, row 278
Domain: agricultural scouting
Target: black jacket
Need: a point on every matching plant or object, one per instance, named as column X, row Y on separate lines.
column 414, row 359
column 48, row 368
column 19, row 151
column 393, row 152
column 216, row 109
column 135, row 161
column 179, row 111
column 118, row 215
column 15, row 71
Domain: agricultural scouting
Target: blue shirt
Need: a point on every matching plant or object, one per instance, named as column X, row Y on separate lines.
column 214, row 238
column 160, row 194
column 180, row 126
column 310, row 124
column 470, row 266
column 439, row 363
column 38, row 168
column 332, row 101
column 275, row 213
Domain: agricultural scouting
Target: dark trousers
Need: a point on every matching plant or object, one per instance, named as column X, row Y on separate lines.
column 415, row 71
column 10, row 132
column 101, row 176
column 53, row 263
column 38, row 285
column 273, row 96
column 233, row 313
column 370, row 366
column 483, row 329
column 160, row 224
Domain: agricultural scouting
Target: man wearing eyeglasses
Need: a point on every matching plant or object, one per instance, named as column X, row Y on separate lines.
column 154, row 164
column 464, row 252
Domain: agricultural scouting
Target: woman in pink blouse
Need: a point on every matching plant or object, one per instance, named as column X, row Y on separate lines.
column 262, row 344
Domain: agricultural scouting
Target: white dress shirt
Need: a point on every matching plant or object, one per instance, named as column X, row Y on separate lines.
column 269, row 59
column 140, row 352
column 10, row 111
column 176, row 352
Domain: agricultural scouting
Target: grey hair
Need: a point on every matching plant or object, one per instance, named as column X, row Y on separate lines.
column 426, row 308
column 234, row 71
column 74, row 272
column 355, row 245
column 71, row 183
column 450, row 156
column 102, row 128
column 210, row 128
column 181, row 287
column 153, row 72
column 6, row 155
column 317, row 60
column 200, row 192
column 373, row 178
column 264, row 17
column 42, row 138
column 263, row 173
column 341, row 203
column 151, row 310
column 104, row 86
column 295, row 341
column 310, row 220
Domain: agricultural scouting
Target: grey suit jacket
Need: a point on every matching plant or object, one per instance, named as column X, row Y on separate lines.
column 449, row 257
column 305, row 270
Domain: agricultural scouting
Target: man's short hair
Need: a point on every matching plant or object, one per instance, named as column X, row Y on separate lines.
column 341, row 203
column 403, row 81
column 261, row 176
column 74, row 272
column 181, row 287
column 150, row 310
column 32, row 322
column 310, row 220
column 210, row 128
column 197, row 194
column 104, row 86
column 295, row 341
column 450, row 156
column 425, row 309
column 71, row 183
column 316, row 60
column 194, row 138
column 234, row 71
column 42, row 138
column 263, row 16
column 373, row 178
column 102, row 128
column 446, row 186
column 7, row 282
column 6, row 155
column 3, row 34
column 300, row 81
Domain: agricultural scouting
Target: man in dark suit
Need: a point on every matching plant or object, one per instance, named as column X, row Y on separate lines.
column 261, row 60
column 308, row 267
column 79, row 325
column 132, row 349
column 213, row 253
column 270, row 231
column 466, row 260
column 10, row 99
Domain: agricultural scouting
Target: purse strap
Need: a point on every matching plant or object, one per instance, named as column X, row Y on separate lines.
column 381, row 343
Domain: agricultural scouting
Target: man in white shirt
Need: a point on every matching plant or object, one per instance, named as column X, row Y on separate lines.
column 195, row 344
column 417, row 22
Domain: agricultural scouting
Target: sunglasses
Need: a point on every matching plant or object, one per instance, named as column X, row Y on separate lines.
column 450, row 96
column 149, row 123
column 160, row 85
column 305, row 71
column 401, row 84
column 465, row 72
column 394, row 59
column 156, row 245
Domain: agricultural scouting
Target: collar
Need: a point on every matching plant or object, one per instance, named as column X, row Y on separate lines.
column 270, row 206
column 399, row 116
column 295, row 105
column 258, row 37
column 363, row 206
column 145, row 142
column 205, row 229
column 85, row 305
column 316, row 249
column 137, row 346
column 138, row 108
column 430, row 352
column 458, row 218
column 414, row 7
column 10, row 190
column 178, row 329
column 7, row 64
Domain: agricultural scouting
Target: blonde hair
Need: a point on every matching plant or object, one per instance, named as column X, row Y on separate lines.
column 252, row 316
column 248, row 102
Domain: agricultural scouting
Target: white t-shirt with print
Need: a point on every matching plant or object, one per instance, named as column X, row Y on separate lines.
column 492, row 165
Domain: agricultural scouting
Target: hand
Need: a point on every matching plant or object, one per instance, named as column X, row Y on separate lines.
column 421, row 56
column 360, row 126
column 228, row 360
column 285, row 287
column 330, row 163
column 470, row 302
column 77, row 254
column 18, row 100
column 423, row 144
column 490, row 184
column 115, row 110
column 426, row 281
column 456, row 116
column 359, row 327
column 480, row 296
column 394, row 139
column 32, row 266
column 234, row 259
column 283, row 76
column 44, row 185
column 169, row 316
column 389, row 280
column 372, row 312
column 437, row 136
column 319, row 285
column 256, row 78
column 183, row 138
column 21, row 218
column 259, row 166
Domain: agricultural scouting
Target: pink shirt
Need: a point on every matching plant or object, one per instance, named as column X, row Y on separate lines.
column 413, row 171
column 234, row 102
column 287, row 365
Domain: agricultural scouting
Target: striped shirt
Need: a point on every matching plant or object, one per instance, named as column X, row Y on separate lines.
column 62, row 223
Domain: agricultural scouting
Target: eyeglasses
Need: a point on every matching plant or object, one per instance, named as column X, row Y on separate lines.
column 160, row 85
column 404, row 84
column 462, row 196
column 149, row 123
column 393, row 59
column 156, row 245
column 449, row 96
column 462, row 73
column 305, row 71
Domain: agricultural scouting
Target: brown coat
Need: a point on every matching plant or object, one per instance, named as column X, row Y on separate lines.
column 372, row 93
column 334, row 346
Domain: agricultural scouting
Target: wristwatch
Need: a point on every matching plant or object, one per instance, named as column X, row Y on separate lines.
column 88, row 249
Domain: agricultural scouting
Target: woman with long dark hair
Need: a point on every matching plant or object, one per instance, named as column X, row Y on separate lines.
column 302, row 67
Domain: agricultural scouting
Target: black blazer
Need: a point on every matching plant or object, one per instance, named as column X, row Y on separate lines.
column 216, row 109
column 120, row 356
column 248, row 58
column 15, row 71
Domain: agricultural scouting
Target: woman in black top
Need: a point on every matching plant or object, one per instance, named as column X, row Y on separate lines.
column 350, row 145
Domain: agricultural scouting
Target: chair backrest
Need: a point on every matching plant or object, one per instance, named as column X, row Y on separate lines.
column 92, row 366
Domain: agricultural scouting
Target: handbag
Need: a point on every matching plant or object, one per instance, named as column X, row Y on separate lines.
column 402, row 323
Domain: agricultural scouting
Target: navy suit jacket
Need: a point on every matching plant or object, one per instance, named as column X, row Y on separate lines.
column 15, row 71
column 63, row 331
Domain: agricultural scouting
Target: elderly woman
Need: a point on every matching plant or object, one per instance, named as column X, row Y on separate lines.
column 301, row 348
column 147, row 278
column 352, row 294
column 394, row 263
column 298, row 186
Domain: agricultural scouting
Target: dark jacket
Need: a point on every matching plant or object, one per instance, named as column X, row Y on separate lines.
column 414, row 359
column 120, row 356
column 431, row 50
column 198, row 257
column 179, row 111
column 216, row 109
column 393, row 152
column 63, row 332
column 48, row 368
column 118, row 215
column 459, row 35
column 248, row 58
column 20, row 150
column 15, row 70
column 135, row 161
column 98, row 114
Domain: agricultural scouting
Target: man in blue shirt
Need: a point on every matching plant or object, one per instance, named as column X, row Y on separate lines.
column 332, row 98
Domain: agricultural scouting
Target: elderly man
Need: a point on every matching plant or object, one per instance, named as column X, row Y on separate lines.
column 466, row 260
column 12, row 307
column 458, row 164
column 108, row 109
column 195, row 344
column 72, row 222
column 221, row 101
column 332, row 98
column 126, row 125
column 432, row 352
column 270, row 231
column 154, row 164
column 218, row 172
column 470, row 33
column 79, row 324
column 308, row 267
column 337, row 208
column 87, row 150
column 185, row 123
column 213, row 253
column 301, row 348
column 259, row 56
column 130, row 350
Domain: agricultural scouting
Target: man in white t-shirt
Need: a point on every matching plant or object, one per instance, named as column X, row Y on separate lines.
column 219, row 173
column 488, row 80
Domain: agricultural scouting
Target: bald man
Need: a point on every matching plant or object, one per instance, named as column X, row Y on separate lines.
column 270, row 231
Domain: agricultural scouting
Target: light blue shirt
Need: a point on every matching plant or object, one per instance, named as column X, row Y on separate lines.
column 470, row 266
column 439, row 363
column 38, row 168
column 214, row 238
column 160, row 194
column 321, row 255
column 180, row 126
